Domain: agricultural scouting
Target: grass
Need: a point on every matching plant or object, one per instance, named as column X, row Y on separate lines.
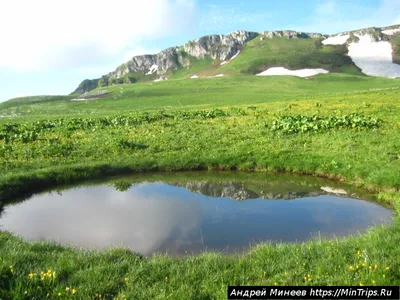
column 200, row 93
column 256, row 56
column 22, row 101
column 203, row 124
column 259, row 55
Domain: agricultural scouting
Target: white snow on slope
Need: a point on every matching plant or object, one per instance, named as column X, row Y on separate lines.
column 219, row 75
column 194, row 76
column 391, row 31
column 83, row 99
column 373, row 58
column 299, row 73
column 336, row 40
column 233, row 57
column 160, row 79
column 153, row 69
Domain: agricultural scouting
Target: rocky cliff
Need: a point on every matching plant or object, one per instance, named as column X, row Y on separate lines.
column 289, row 34
column 218, row 47
column 223, row 48
column 215, row 46
column 86, row 85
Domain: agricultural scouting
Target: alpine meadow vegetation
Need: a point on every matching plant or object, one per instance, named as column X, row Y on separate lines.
column 339, row 126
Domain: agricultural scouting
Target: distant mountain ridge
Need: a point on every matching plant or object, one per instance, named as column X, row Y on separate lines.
column 212, row 52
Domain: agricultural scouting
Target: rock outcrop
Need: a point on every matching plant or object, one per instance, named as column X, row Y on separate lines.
column 375, row 33
column 167, row 60
column 86, row 86
column 220, row 47
column 290, row 34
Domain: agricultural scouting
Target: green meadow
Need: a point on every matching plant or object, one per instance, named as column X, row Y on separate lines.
column 339, row 126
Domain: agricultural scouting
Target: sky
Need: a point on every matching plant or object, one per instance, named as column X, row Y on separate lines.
column 48, row 47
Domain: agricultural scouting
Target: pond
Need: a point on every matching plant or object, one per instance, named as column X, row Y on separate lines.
column 188, row 213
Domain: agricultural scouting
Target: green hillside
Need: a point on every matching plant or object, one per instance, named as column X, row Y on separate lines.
column 243, row 122
column 15, row 102
column 342, row 126
column 200, row 93
column 259, row 55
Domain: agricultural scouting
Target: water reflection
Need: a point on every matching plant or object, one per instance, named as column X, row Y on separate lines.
column 187, row 217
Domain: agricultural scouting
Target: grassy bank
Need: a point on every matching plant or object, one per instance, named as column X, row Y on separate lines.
column 225, row 124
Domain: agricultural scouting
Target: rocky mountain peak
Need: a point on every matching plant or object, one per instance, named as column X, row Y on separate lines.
column 291, row 34
column 220, row 47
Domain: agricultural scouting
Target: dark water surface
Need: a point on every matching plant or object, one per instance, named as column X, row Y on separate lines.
column 192, row 212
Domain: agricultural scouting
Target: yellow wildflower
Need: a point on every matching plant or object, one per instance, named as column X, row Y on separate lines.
column 67, row 289
column 376, row 266
column 73, row 291
column 373, row 282
column 387, row 268
column 361, row 284
column 275, row 283
column 59, row 294
column 351, row 268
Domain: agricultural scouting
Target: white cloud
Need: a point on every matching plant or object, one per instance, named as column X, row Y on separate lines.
column 47, row 34
column 91, row 71
column 326, row 8
column 332, row 16
column 218, row 18
column 145, row 218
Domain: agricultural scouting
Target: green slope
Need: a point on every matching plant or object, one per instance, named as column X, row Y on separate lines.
column 15, row 102
column 175, row 133
column 259, row 55
column 201, row 92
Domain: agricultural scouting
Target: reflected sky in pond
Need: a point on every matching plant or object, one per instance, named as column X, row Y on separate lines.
column 157, row 217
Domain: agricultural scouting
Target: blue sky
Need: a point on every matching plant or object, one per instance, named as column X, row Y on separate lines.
column 49, row 47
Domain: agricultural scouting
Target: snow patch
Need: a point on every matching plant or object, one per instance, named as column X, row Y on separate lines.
column 153, row 69
column 391, row 31
column 299, row 73
column 194, row 76
column 233, row 57
column 373, row 58
column 219, row 75
column 336, row 40
column 224, row 62
column 83, row 99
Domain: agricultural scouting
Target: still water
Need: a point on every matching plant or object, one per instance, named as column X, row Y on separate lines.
column 190, row 215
